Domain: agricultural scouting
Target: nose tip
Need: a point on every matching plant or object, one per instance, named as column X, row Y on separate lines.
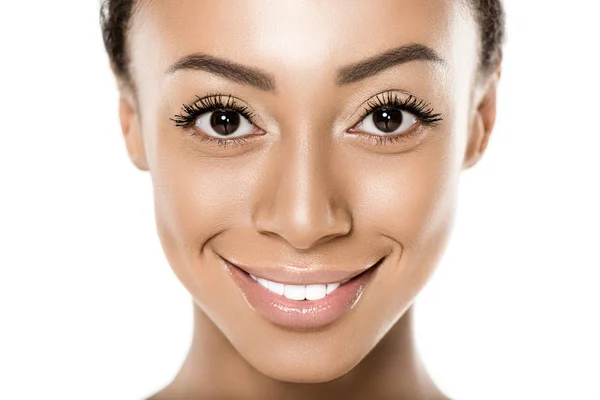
column 300, row 198
column 304, row 228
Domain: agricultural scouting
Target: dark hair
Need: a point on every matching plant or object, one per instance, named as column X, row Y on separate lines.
column 115, row 19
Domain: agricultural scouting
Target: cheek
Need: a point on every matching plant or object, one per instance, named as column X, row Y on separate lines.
column 407, row 196
column 196, row 197
column 410, row 199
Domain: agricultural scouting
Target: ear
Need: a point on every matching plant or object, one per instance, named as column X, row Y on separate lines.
column 130, row 126
column 483, row 119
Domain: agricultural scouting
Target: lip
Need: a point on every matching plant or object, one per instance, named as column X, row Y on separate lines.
column 301, row 275
column 303, row 314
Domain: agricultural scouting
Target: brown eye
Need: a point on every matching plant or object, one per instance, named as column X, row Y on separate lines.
column 388, row 120
column 224, row 123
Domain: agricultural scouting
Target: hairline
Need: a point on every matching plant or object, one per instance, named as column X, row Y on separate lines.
column 482, row 70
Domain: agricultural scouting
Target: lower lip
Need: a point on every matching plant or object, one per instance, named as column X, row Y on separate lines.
column 303, row 314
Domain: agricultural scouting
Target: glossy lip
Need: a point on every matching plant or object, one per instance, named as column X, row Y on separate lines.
column 301, row 275
column 303, row 315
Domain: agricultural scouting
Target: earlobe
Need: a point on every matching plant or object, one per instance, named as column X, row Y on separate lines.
column 130, row 127
column 483, row 122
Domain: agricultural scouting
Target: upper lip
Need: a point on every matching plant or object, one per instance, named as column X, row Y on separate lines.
column 293, row 275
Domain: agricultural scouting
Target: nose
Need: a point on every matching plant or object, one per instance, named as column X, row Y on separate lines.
column 299, row 198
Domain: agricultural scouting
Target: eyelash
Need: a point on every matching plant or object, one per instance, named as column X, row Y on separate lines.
column 212, row 102
column 385, row 100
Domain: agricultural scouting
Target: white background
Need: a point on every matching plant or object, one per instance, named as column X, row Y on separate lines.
column 89, row 308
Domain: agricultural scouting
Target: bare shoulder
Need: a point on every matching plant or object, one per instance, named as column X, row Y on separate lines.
column 173, row 393
column 160, row 395
column 442, row 397
column 166, row 393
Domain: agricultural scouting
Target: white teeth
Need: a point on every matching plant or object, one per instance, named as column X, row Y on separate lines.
column 315, row 292
column 298, row 292
column 332, row 286
column 276, row 287
column 263, row 282
column 294, row 292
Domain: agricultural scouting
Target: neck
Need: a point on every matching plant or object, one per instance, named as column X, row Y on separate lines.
column 213, row 367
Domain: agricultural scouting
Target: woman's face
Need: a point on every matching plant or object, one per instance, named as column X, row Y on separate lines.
column 321, row 187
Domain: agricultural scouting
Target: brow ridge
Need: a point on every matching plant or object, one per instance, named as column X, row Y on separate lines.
column 228, row 69
column 375, row 64
column 264, row 81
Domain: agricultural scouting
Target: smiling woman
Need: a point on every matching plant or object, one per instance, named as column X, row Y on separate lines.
column 305, row 160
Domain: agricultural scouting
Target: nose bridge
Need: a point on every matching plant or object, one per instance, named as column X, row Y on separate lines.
column 301, row 203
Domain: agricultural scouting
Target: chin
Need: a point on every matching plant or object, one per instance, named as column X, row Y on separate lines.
column 299, row 364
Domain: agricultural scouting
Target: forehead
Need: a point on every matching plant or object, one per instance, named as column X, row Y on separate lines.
column 307, row 34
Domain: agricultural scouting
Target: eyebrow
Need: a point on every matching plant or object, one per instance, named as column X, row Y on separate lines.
column 374, row 65
column 349, row 74
column 227, row 69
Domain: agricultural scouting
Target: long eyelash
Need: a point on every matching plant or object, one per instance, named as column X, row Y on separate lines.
column 215, row 102
column 419, row 108
column 209, row 103
column 387, row 100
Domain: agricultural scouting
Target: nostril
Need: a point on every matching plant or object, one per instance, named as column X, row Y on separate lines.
column 302, row 212
column 304, row 233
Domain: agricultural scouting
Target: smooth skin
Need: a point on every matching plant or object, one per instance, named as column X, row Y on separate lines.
column 304, row 190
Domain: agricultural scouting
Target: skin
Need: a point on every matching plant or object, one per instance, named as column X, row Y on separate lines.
column 305, row 192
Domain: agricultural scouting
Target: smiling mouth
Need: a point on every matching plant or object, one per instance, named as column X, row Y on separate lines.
column 299, row 292
column 314, row 291
column 298, row 298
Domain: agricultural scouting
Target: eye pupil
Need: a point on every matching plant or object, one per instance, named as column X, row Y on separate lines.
column 225, row 122
column 387, row 120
